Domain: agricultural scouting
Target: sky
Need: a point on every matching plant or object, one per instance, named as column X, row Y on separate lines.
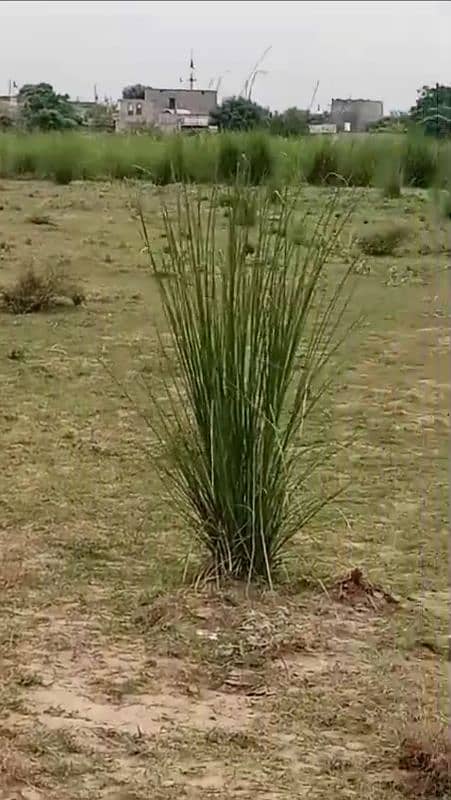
column 380, row 50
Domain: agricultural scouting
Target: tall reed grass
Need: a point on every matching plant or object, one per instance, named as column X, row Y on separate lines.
column 357, row 160
column 252, row 331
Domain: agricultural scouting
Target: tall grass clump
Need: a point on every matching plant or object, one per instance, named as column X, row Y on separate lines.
column 229, row 157
column 259, row 156
column 252, row 331
column 320, row 165
column 420, row 161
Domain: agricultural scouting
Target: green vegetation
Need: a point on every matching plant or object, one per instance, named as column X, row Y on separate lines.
column 318, row 160
column 241, row 465
column 432, row 110
column 118, row 679
column 43, row 109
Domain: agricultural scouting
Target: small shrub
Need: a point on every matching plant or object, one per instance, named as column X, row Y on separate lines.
column 39, row 291
column 381, row 240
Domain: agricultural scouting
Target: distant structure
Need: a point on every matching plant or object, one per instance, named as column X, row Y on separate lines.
column 169, row 110
column 355, row 116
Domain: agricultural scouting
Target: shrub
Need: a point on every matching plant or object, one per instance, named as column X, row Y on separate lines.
column 382, row 240
column 38, row 291
column 234, row 415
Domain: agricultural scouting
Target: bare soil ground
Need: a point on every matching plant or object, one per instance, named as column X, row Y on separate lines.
column 116, row 680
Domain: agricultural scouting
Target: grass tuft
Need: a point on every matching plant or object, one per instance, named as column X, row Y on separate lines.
column 382, row 240
column 39, row 291
column 251, row 343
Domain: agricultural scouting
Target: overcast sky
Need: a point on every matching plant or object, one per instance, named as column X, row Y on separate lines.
column 381, row 50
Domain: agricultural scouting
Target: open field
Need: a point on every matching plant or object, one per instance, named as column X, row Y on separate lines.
column 117, row 681
column 360, row 160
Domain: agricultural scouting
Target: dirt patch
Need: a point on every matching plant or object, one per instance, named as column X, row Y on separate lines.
column 69, row 706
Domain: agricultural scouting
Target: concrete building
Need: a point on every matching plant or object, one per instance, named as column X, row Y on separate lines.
column 355, row 115
column 170, row 110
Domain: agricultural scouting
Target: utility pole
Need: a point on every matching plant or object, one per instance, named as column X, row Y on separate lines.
column 192, row 78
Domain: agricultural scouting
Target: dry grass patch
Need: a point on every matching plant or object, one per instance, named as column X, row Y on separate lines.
column 36, row 291
column 426, row 758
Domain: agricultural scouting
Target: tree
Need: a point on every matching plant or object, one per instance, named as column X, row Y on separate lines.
column 43, row 109
column 292, row 122
column 135, row 92
column 433, row 110
column 240, row 114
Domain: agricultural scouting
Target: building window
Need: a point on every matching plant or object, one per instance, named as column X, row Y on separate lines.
column 130, row 109
column 172, row 103
column 139, row 109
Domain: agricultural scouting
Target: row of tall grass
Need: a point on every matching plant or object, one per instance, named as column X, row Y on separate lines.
column 360, row 160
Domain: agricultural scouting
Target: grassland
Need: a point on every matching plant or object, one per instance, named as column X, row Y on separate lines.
column 360, row 161
column 116, row 680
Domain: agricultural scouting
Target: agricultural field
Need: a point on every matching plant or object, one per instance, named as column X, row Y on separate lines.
column 122, row 679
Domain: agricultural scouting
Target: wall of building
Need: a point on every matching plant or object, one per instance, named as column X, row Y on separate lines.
column 135, row 114
column 197, row 101
column 359, row 113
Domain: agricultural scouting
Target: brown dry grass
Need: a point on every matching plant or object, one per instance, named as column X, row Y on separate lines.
column 116, row 682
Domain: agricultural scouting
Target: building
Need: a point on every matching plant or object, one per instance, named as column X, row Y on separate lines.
column 170, row 110
column 9, row 106
column 355, row 116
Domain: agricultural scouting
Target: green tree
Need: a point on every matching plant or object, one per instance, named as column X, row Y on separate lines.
column 432, row 110
column 240, row 114
column 135, row 92
column 43, row 109
column 292, row 122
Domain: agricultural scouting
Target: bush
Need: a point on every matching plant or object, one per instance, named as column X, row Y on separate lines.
column 382, row 240
column 235, row 421
column 39, row 291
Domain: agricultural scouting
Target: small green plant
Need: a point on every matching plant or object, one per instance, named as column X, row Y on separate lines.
column 251, row 340
column 39, row 291
column 382, row 240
